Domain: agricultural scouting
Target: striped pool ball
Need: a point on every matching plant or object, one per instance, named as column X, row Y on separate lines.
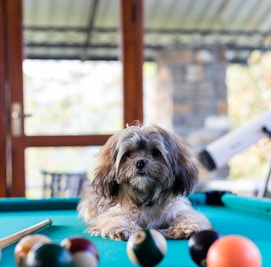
column 83, row 251
column 25, row 245
column 146, row 247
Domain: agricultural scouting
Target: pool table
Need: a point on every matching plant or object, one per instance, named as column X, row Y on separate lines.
column 246, row 216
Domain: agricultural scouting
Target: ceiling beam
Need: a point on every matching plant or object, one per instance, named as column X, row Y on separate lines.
column 48, row 29
column 154, row 47
column 89, row 29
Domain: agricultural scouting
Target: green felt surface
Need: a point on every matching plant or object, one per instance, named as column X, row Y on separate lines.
column 113, row 253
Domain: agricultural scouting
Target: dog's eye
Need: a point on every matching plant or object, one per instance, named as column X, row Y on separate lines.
column 127, row 154
column 156, row 153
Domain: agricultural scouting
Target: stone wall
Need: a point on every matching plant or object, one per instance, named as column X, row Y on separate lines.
column 190, row 95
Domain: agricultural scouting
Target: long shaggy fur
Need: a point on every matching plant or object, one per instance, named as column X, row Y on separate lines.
column 141, row 180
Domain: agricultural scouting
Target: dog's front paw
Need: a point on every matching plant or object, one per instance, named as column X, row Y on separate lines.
column 178, row 233
column 121, row 235
column 115, row 233
column 184, row 229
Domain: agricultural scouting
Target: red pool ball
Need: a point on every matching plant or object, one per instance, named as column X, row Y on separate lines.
column 83, row 251
column 233, row 251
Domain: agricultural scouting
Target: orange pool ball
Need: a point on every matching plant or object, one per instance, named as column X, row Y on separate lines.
column 25, row 245
column 233, row 251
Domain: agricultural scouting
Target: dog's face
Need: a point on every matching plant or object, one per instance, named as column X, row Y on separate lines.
column 148, row 164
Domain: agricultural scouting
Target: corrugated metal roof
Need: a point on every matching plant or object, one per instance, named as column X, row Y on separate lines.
column 89, row 29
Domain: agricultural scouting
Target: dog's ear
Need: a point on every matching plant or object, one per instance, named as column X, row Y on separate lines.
column 105, row 173
column 183, row 162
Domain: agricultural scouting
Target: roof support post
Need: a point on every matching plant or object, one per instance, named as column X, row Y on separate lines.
column 131, row 20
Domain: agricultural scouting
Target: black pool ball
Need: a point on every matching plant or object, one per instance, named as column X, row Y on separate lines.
column 83, row 251
column 49, row 255
column 146, row 247
column 199, row 244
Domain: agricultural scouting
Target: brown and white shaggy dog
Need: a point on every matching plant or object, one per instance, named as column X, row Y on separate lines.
column 141, row 180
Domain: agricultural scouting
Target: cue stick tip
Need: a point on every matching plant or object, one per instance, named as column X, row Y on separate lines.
column 50, row 222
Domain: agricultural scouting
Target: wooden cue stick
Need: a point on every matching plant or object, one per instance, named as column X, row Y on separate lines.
column 9, row 240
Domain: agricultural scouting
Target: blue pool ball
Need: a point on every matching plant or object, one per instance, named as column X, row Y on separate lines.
column 49, row 255
column 199, row 245
column 146, row 247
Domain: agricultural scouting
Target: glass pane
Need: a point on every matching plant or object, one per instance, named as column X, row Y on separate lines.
column 72, row 97
column 57, row 160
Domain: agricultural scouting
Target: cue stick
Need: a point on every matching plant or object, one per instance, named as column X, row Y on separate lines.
column 9, row 240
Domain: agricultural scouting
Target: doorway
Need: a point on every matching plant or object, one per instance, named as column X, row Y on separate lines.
column 19, row 136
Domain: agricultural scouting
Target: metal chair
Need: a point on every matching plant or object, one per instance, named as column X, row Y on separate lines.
column 56, row 184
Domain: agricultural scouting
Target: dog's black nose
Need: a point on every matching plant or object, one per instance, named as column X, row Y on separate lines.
column 140, row 164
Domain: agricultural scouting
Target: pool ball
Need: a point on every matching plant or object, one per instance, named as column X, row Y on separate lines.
column 233, row 251
column 83, row 251
column 49, row 255
column 199, row 244
column 146, row 247
column 25, row 245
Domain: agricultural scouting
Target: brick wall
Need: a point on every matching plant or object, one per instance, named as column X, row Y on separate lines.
column 190, row 95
